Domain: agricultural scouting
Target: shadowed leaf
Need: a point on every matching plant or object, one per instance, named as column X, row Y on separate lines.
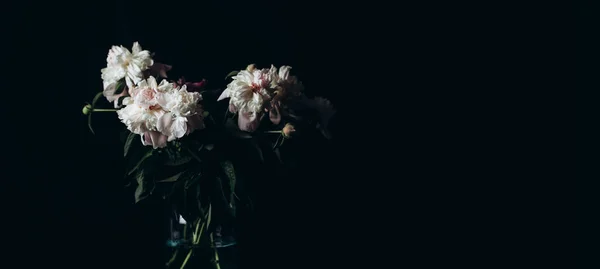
column 231, row 74
column 172, row 178
column 127, row 146
column 145, row 186
column 139, row 163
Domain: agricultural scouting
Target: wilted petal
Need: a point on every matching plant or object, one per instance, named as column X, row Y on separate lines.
column 171, row 126
column 109, row 91
column 196, row 86
column 274, row 114
column 160, row 69
column 248, row 121
column 232, row 108
column 195, row 122
column 284, row 72
column 156, row 139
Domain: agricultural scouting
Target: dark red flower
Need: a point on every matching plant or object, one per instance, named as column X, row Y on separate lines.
column 191, row 86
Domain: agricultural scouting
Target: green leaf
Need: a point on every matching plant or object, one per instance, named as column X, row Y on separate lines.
column 96, row 98
column 127, row 146
column 139, row 163
column 194, row 155
column 120, row 87
column 145, row 186
column 179, row 161
column 231, row 74
column 90, row 122
column 147, row 171
column 172, row 178
column 192, row 181
column 230, row 172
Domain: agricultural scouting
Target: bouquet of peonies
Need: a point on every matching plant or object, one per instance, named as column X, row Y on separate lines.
column 186, row 157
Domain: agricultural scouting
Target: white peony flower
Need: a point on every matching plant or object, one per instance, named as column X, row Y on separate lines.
column 248, row 91
column 121, row 63
column 146, row 93
column 180, row 102
column 182, row 118
column 139, row 119
column 142, row 111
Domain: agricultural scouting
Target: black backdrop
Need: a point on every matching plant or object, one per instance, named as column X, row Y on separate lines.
column 73, row 194
column 429, row 155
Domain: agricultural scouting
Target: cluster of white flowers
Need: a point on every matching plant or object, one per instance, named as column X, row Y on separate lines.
column 163, row 112
column 159, row 113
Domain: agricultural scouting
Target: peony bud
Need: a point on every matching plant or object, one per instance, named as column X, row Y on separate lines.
column 288, row 130
column 251, row 67
column 87, row 109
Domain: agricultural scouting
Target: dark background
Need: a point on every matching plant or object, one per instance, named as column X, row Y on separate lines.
column 435, row 163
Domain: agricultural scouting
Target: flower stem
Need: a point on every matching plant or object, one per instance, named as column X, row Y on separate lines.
column 216, row 262
column 194, row 155
column 104, row 110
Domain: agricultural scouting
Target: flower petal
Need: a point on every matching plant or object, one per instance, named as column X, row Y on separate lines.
column 195, row 122
column 136, row 48
column 225, row 94
column 274, row 114
column 171, row 126
column 156, row 139
column 152, row 82
column 248, row 121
